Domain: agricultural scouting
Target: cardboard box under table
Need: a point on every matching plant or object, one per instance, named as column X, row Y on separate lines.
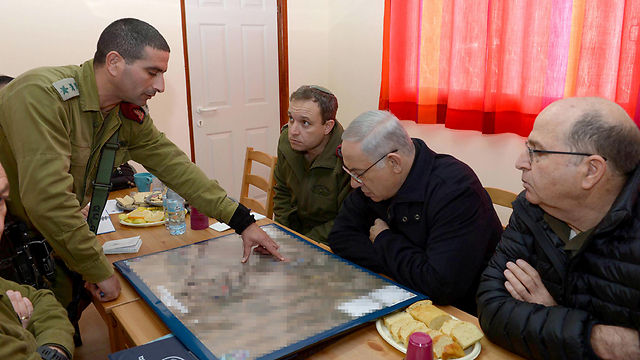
column 264, row 309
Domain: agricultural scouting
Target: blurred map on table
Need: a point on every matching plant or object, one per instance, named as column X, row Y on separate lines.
column 264, row 309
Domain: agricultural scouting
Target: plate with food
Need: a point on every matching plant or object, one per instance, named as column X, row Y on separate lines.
column 452, row 338
column 126, row 203
column 154, row 199
column 143, row 217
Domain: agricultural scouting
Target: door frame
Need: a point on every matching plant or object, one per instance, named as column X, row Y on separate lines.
column 283, row 68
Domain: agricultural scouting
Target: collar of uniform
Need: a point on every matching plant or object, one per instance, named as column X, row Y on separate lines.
column 89, row 98
column 415, row 185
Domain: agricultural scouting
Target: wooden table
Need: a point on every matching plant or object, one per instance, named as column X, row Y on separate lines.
column 132, row 322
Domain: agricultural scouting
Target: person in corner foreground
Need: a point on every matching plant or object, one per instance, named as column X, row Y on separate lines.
column 565, row 280
column 32, row 322
column 310, row 183
column 419, row 217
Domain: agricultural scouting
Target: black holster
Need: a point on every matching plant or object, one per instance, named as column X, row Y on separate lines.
column 25, row 258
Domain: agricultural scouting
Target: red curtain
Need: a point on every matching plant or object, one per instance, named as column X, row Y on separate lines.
column 492, row 65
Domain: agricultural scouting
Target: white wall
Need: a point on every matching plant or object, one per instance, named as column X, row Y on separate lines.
column 337, row 44
column 308, row 43
column 63, row 32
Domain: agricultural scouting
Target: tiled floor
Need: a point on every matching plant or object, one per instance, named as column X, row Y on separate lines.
column 95, row 337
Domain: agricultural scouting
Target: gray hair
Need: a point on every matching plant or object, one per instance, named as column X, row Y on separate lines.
column 618, row 142
column 378, row 132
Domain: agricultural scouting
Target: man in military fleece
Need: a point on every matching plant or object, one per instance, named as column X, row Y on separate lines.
column 54, row 122
column 310, row 183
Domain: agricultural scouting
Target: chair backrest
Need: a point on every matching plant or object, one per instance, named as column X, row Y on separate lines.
column 501, row 197
column 258, row 181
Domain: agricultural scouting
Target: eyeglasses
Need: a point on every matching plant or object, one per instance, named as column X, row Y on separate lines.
column 357, row 177
column 531, row 151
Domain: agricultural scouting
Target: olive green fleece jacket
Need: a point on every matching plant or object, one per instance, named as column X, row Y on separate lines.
column 48, row 325
column 51, row 136
column 308, row 200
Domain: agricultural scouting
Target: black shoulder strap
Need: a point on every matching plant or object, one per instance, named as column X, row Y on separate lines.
column 102, row 184
column 546, row 244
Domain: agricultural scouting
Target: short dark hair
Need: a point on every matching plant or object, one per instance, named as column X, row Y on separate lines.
column 4, row 80
column 129, row 37
column 327, row 102
column 619, row 143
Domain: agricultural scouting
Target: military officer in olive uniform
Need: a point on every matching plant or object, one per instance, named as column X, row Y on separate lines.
column 310, row 183
column 53, row 124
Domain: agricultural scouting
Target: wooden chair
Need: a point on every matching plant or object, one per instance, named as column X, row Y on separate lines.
column 501, row 197
column 258, row 181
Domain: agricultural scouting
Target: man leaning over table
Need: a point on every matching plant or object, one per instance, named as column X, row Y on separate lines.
column 32, row 322
column 565, row 280
column 420, row 217
column 54, row 121
column 310, row 183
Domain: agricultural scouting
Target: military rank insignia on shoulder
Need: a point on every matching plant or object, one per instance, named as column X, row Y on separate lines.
column 67, row 88
column 134, row 112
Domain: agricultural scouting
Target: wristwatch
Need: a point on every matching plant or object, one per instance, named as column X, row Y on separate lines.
column 47, row 353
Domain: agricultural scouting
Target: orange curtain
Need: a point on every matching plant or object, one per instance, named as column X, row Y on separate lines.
column 492, row 65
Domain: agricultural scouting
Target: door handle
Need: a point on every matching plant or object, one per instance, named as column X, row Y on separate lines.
column 200, row 109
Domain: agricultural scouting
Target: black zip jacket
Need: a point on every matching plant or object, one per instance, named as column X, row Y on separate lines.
column 599, row 285
column 443, row 230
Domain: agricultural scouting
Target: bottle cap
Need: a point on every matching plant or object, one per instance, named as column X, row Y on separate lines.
column 420, row 347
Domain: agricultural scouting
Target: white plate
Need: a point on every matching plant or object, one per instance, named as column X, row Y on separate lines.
column 150, row 201
column 471, row 352
column 142, row 225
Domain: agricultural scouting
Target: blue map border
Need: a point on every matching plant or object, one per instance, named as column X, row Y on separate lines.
column 203, row 353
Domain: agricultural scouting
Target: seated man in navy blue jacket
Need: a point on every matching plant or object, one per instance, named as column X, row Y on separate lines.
column 419, row 217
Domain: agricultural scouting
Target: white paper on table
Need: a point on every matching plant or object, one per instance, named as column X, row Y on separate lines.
column 112, row 208
column 220, row 227
column 257, row 216
column 122, row 246
column 224, row 227
column 105, row 226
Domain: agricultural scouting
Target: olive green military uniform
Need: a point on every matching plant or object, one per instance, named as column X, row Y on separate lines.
column 48, row 324
column 309, row 196
column 51, row 136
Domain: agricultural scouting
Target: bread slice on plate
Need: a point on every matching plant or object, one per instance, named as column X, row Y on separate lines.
column 444, row 347
column 409, row 328
column 394, row 328
column 448, row 325
column 390, row 319
column 466, row 334
column 430, row 315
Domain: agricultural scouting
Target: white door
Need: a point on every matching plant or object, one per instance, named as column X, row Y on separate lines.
column 233, row 65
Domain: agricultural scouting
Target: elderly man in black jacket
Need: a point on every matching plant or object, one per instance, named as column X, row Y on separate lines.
column 419, row 217
column 565, row 280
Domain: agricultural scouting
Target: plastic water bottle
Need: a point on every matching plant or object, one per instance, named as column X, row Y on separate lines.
column 174, row 213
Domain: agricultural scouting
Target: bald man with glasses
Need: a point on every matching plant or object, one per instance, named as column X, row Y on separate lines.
column 565, row 280
column 419, row 217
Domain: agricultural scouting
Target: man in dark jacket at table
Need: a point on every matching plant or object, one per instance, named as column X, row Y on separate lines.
column 565, row 280
column 419, row 217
